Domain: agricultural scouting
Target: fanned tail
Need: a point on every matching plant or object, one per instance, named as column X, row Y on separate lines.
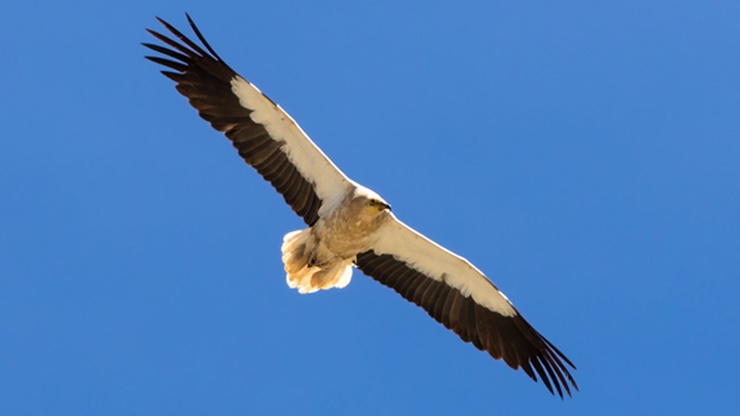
column 309, row 278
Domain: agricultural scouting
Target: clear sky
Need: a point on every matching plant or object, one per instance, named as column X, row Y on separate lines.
column 584, row 154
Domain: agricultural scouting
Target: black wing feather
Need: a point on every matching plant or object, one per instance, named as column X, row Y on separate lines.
column 509, row 338
column 205, row 79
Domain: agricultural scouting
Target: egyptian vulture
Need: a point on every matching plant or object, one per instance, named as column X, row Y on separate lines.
column 348, row 224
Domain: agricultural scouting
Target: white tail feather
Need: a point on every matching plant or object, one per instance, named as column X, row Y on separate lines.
column 310, row 279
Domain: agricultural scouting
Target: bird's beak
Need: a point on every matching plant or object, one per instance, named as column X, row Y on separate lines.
column 387, row 206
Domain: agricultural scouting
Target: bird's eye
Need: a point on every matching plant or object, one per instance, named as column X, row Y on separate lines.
column 373, row 201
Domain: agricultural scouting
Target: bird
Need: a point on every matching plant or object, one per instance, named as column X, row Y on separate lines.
column 349, row 225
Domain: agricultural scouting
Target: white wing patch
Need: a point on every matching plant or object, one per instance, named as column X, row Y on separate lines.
column 440, row 264
column 329, row 183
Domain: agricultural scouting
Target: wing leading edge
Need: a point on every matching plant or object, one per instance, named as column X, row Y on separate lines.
column 266, row 137
column 459, row 296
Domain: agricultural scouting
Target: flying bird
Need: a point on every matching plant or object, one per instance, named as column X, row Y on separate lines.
column 349, row 225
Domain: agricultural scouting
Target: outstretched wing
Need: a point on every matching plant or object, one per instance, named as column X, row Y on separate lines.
column 266, row 137
column 460, row 297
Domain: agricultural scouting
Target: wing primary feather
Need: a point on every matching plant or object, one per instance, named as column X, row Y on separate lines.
column 527, row 368
column 165, row 39
column 562, row 381
column 548, row 366
column 165, row 51
column 202, row 38
column 168, row 63
column 556, row 367
column 559, row 354
column 541, row 372
column 175, row 76
column 212, row 87
column 184, row 39
column 505, row 337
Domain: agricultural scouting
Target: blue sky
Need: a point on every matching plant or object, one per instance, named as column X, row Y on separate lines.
column 585, row 155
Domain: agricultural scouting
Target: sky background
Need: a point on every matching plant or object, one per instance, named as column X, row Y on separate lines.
column 584, row 154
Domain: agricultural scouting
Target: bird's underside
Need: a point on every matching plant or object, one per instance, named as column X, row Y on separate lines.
column 322, row 256
column 349, row 224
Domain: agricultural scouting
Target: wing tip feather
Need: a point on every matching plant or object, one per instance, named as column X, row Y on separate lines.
column 508, row 338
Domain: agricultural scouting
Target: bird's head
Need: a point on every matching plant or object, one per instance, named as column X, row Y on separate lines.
column 372, row 204
column 377, row 205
